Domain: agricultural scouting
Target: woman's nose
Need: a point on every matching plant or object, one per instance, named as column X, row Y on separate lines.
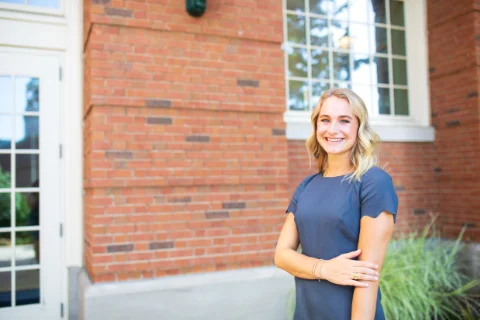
column 333, row 128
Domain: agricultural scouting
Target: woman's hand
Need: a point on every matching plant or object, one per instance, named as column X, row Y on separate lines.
column 344, row 271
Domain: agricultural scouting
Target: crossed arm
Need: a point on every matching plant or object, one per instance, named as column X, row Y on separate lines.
column 374, row 236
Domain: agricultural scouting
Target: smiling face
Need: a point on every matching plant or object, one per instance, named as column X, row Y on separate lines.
column 337, row 126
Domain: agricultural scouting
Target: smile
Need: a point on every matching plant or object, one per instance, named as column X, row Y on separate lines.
column 334, row 139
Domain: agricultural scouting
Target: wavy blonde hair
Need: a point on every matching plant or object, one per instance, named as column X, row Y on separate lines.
column 363, row 153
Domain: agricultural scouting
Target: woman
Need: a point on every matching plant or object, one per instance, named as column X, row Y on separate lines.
column 344, row 211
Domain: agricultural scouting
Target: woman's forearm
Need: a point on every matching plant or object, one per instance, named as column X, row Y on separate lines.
column 364, row 302
column 297, row 264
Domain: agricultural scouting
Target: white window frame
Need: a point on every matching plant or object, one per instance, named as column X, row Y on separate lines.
column 413, row 128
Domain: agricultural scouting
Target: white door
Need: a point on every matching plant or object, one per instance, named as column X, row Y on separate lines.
column 30, row 240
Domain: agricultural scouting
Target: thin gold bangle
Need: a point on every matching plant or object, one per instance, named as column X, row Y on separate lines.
column 313, row 268
column 320, row 272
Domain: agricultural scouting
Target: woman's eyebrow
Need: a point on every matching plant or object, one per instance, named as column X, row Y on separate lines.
column 341, row 116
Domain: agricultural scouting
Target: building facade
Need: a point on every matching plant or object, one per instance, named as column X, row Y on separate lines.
column 151, row 154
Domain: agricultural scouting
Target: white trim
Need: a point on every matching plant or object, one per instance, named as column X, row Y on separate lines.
column 73, row 146
column 298, row 127
column 28, row 34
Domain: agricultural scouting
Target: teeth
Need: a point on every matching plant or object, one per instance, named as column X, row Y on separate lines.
column 333, row 140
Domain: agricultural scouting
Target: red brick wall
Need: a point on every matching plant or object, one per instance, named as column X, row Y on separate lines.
column 454, row 45
column 412, row 167
column 185, row 150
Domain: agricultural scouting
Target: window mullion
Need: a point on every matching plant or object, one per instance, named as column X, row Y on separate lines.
column 390, row 62
column 309, row 55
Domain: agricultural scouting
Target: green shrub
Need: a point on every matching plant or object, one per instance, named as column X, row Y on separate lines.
column 420, row 279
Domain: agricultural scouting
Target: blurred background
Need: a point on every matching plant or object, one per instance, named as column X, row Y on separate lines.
column 149, row 148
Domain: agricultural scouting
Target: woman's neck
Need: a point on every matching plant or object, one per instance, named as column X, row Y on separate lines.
column 337, row 166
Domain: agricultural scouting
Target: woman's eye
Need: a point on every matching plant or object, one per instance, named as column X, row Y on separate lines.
column 324, row 120
column 345, row 121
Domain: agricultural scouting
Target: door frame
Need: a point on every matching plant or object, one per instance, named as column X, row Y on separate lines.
column 45, row 67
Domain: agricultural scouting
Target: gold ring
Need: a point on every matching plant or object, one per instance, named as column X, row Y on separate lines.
column 355, row 276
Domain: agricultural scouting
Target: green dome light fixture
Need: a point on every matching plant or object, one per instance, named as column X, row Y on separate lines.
column 196, row 8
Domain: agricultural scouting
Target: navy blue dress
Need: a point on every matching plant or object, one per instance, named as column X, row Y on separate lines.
column 327, row 213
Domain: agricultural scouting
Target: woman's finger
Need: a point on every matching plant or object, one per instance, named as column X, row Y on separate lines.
column 367, row 271
column 362, row 276
column 353, row 254
column 365, row 264
column 356, row 283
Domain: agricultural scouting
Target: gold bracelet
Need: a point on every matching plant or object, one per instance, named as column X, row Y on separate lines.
column 320, row 272
column 315, row 267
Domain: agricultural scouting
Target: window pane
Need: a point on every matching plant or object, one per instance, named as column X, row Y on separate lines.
column 27, row 170
column 346, row 85
column 382, row 100
column 5, row 168
column 26, row 94
column 398, row 42
column 341, row 66
column 319, row 6
column 296, row 29
column 401, row 102
column 296, row 5
column 297, row 62
column 6, row 94
column 5, row 288
column 298, row 95
column 361, row 69
column 319, row 32
column 27, row 209
column 359, row 37
column 318, row 88
column 397, row 17
column 399, row 71
column 6, row 249
column 6, row 131
column 27, row 248
column 26, row 132
column 27, row 283
column 13, row 1
column 340, row 9
column 340, row 35
column 5, row 209
column 45, row 3
column 380, row 40
column 364, row 92
column 359, row 10
column 380, row 70
column 320, row 67
column 379, row 11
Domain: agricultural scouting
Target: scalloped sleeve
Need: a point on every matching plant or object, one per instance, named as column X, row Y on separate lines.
column 378, row 194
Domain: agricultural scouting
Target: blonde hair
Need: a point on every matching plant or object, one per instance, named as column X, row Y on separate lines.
column 362, row 154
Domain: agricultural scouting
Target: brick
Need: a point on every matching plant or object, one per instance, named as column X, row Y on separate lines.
column 119, row 154
column 151, row 120
column 278, row 132
column 161, row 245
column 197, row 139
column 248, row 83
column 158, row 103
column 418, row 212
column 234, row 205
column 217, row 214
column 120, row 248
column 118, row 12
